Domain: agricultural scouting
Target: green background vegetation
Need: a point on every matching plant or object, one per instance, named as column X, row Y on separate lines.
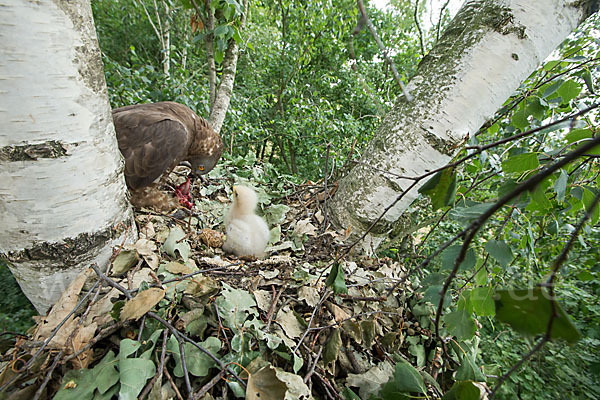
column 296, row 95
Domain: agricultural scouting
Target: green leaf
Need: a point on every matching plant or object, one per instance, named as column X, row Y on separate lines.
column 469, row 369
column 469, row 213
column 551, row 88
column 219, row 54
column 482, row 277
column 500, row 251
column 441, row 188
column 588, row 199
column 133, row 372
column 348, row 394
column 587, row 78
column 418, row 350
column 528, row 311
column 110, row 394
column 482, row 299
column 332, row 348
column 197, row 362
column 107, row 374
column 569, row 90
column 463, row 390
column 551, row 64
column 235, row 306
column 539, row 197
column 433, row 294
column 520, row 163
column 336, row 280
column 406, row 379
column 275, row 215
column 576, row 135
column 221, row 30
column 560, row 186
column 77, row 385
column 460, row 324
column 531, row 106
column 82, row 383
column 175, row 245
column 450, row 255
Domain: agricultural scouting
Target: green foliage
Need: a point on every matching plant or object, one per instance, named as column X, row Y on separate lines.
column 406, row 379
column 295, row 93
column 529, row 311
column 518, row 246
column 441, row 188
column 335, row 280
column 16, row 309
column 463, row 390
column 297, row 98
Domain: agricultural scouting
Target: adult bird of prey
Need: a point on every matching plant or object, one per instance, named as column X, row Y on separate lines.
column 154, row 138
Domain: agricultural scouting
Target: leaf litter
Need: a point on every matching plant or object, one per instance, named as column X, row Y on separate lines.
column 295, row 325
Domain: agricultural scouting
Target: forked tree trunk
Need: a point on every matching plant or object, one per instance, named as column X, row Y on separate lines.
column 489, row 48
column 63, row 199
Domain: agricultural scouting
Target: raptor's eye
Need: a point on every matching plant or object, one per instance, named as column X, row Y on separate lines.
column 201, row 167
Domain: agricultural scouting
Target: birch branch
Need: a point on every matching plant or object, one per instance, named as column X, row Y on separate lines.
column 387, row 58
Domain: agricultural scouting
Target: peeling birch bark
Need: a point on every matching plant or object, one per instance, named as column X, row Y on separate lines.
column 489, row 48
column 63, row 198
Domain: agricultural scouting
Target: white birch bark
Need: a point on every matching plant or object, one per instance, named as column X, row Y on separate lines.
column 490, row 47
column 63, row 199
column 222, row 97
column 225, row 90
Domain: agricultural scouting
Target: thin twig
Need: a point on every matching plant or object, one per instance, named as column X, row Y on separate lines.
column 383, row 50
column 324, row 225
column 312, row 317
column 173, row 385
column 416, row 17
column 209, row 385
column 159, row 371
column 439, row 24
column 221, row 327
column 311, row 370
column 186, row 375
column 271, row 312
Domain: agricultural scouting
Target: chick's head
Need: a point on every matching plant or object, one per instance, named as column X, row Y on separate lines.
column 244, row 199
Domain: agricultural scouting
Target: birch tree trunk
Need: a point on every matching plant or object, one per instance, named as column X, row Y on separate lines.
column 218, row 108
column 63, row 199
column 489, row 48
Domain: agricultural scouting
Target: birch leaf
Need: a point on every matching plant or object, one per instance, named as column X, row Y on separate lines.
column 142, row 303
column 124, row 261
column 175, row 246
column 441, row 188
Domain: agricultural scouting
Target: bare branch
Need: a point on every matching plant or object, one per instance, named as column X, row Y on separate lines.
column 416, row 17
column 439, row 23
column 383, row 50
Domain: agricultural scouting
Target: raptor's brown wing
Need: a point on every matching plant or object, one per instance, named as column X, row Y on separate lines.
column 150, row 140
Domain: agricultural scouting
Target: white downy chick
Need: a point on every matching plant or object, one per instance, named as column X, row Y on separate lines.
column 247, row 233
